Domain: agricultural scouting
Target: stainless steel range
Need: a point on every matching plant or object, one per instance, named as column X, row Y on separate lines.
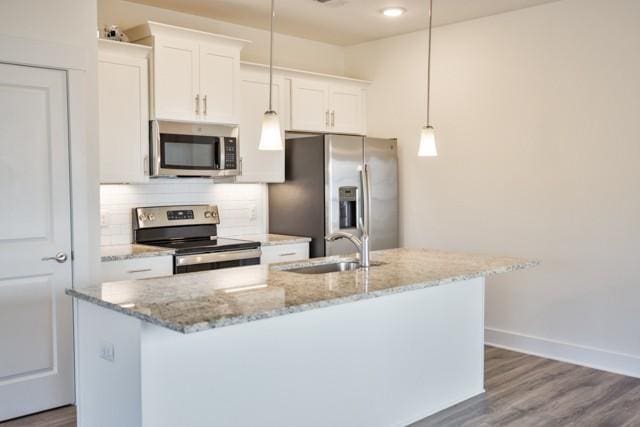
column 192, row 232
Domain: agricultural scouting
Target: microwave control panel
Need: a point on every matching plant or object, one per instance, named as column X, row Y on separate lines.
column 230, row 153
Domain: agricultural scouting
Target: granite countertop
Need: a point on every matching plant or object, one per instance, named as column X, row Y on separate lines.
column 123, row 252
column 274, row 239
column 211, row 299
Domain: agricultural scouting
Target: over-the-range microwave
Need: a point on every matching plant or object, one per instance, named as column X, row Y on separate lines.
column 188, row 149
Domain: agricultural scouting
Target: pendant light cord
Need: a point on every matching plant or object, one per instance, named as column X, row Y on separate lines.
column 271, row 57
column 429, row 62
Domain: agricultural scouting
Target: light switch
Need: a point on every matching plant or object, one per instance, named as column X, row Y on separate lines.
column 107, row 351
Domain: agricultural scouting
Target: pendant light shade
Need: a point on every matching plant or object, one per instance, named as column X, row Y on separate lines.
column 427, row 146
column 271, row 137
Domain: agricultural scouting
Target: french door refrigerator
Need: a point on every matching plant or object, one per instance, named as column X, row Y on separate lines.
column 322, row 192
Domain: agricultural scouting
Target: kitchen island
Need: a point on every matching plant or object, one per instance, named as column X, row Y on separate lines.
column 264, row 345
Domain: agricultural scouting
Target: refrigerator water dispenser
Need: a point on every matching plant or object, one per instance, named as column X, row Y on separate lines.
column 348, row 207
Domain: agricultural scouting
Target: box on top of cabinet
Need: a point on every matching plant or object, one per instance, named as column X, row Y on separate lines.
column 195, row 75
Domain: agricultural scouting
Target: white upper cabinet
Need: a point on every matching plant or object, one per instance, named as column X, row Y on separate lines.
column 324, row 105
column 347, row 108
column 257, row 165
column 309, row 105
column 175, row 83
column 123, row 120
column 196, row 75
column 219, row 84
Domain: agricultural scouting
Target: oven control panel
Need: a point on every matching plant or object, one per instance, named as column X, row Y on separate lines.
column 180, row 215
column 167, row 216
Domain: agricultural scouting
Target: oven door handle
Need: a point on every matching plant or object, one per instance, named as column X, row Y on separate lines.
column 182, row 260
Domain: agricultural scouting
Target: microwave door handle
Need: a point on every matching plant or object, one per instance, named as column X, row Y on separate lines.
column 222, row 152
column 155, row 151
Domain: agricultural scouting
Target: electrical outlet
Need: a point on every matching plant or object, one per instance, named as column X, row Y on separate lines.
column 104, row 219
column 107, row 351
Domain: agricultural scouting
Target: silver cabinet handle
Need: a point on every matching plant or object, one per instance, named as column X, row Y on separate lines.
column 326, row 118
column 198, row 104
column 204, row 100
column 142, row 270
column 145, row 165
column 59, row 257
column 288, row 254
column 333, row 118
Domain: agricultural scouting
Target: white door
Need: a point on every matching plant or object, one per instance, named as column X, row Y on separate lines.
column 219, row 84
column 257, row 165
column 309, row 105
column 176, row 80
column 123, row 119
column 346, row 109
column 36, row 346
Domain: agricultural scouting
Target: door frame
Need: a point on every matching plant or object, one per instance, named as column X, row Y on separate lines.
column 80, row 64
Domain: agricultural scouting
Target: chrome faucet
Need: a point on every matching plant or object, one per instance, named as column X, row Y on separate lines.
column 362, row 243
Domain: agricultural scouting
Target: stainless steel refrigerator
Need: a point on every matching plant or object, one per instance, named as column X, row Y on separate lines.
column 322, row 191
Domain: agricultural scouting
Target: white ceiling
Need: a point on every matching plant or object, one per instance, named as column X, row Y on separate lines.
column 342, row 22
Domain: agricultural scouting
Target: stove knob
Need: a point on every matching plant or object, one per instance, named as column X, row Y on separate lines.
column 141, row 217
column 207, row 214
column 150, row 217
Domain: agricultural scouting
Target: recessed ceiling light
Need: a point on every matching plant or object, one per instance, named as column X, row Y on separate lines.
column 393, row 12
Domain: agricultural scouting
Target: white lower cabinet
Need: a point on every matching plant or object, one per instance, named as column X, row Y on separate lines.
column 137, row 268
column 282, row 253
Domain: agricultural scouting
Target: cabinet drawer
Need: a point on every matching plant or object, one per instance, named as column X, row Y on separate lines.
column 282, row 253
column 137, row 268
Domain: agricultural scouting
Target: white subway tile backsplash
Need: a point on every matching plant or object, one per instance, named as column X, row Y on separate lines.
column 242, row 206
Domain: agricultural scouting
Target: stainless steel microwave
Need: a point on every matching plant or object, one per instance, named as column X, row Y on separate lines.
column 186, row 149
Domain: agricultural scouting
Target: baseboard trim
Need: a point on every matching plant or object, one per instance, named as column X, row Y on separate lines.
column 618, row 363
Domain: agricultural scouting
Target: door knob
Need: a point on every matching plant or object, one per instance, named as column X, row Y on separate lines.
column 60, row 257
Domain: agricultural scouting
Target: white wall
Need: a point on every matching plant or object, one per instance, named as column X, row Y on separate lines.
column 242, row 207
column 289, row 51
column 536, row 113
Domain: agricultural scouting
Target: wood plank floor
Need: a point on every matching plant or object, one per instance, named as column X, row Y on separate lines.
column 521, row 390
column 61, row 417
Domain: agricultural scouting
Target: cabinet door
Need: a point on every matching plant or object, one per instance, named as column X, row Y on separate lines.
column 137, row 268
column 123, row 119
column 219, row 84
column 175, row 79
column 282, row 253
column 309, row 105
column 259, row 166
column 346, row 109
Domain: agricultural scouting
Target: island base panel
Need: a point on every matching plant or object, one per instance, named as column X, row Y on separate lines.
column 384, row 361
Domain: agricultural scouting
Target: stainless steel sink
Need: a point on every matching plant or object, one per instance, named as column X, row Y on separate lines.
column 334, row 267
column 327, row 268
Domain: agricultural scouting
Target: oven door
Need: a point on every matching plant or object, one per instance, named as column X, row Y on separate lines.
column 215, row 260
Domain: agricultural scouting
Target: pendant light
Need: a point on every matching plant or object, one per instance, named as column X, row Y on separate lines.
column 427, row 147
column 271, row 137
